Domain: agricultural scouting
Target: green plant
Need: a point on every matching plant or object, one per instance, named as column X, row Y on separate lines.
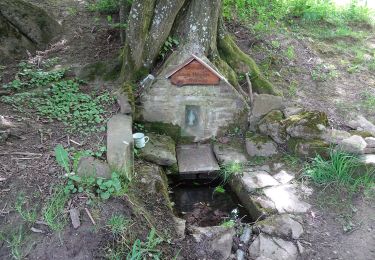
column 168, row 46
column 292, row 89
column 15, row 243
column 53, row 212
column 368, row 101
column 104, row 6
column 227, row 171
column 228, row 223
column 340, row 170
column 219, row 189
column 118, row 224
column 29, row 216
column 107, row 188
column 143, row 250
column 290, row 53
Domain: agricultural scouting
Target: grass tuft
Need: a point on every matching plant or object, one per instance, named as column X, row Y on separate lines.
column 54, row 211
column 228, row 170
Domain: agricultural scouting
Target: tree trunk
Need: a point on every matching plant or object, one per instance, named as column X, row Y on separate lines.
column 200, row 29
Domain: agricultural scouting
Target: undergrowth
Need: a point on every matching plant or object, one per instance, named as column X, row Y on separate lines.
column 341, row 170
column 227, row 171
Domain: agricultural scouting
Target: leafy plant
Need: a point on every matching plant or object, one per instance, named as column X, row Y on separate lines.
column 168, row 46
column 228, row 223
column 219, row 189
column 29, row 216
column 118, row 224
column 62, row 158
column 142, row 250
column 53, row 212
column 227, row 171
column 340, row 170
column 15, row 243
column 107, row 188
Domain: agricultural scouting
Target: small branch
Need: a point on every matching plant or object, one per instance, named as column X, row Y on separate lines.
column 24, row 154
column 250, row 89
column 89, row 214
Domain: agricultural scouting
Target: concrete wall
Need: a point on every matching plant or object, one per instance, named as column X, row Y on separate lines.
column 219, row 106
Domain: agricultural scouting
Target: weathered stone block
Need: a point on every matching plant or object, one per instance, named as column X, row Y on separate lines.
column 227, row 153
column 354, row 144
column 120, row 155
column 89, row 166
column 160, row 149
column 257, row 145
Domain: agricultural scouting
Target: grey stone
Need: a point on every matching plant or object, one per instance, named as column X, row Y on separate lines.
column 250, row 181
column 370, row 142
column 89, row 166
column 290, row 111
column 369, row 150
column 281, row 226
column 240, row 255
column 152, row 179
column 246, row 235
column 271, row 125
column 123, row 102
column 368, row 160
column 354, row 144
column 283, row 177
column 334, row 136
column 120, row 143
column 161, row 149
column 273, row 248
column 286, row 200
column 219, row 239
column 265, row 103
column 306, row 125
column 74, row 217
column 360, row 123
column 260, row 146
column 197, row 158
column 180, row 225
column 227, row 153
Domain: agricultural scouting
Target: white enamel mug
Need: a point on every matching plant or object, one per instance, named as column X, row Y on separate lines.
column 140, row 140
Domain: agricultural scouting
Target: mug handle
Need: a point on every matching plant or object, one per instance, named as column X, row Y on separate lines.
column 147, row 139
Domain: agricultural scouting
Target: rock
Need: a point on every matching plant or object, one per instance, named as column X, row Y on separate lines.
column 334, row 136
column 286, row 199
column 74, row 217
column 283, row 177
column 369, row 150
column 89, row 166
column 281, row 226
column 246, row 235
column 271, row 126
column 264, row 103
column 257, row 145
column 273, row 248
column 180, row 225
column 218, row 239
column 24, row 26
column 354, row 144
column 251, row 181
column 123, row 102
column 4, row 135
column 370, row 142
column 227, row 153
column 161, row 150
column 362, row 124
column 240, row 255
column 291, row 111
column 120, row 143
column 306, row 125
column 308, row 148
column 152, row 179
column 202, row 156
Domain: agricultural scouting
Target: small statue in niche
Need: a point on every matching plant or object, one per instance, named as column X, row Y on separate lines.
column 191, row 116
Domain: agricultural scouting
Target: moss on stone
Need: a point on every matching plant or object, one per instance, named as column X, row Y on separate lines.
column 307, row 122
column 257, row 138
column 227, row 71
column 363, row 134
column 161, row 128
column 242, row 63
column 127, row 88
column 108, row 70
column 308, row 148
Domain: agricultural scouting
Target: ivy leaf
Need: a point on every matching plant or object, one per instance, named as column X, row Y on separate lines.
column 62, row 157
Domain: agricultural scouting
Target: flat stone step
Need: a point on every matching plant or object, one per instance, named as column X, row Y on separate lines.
column 196, row 158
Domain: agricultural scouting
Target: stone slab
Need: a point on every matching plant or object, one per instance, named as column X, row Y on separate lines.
column 286, row 199
column 120, row 143
column 226, row 153
column 196, row 158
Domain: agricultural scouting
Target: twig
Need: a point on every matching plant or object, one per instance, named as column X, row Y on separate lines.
column 22, row 153
column 89, row 214
column 250, row 89
column 74, row 142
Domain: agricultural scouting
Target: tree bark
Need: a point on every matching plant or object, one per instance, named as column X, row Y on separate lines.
column 200, row 29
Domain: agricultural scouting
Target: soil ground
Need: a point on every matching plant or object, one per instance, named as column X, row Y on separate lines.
column 323, row 73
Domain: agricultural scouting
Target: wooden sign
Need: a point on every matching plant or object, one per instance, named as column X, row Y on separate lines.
column 194, row 72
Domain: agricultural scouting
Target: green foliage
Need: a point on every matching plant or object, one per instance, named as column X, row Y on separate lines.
column 118, row 224
column 107, row 6
column 30, row 77
column 53, row 212
column 227, row 171
column 107, row 188
column 228, row 223
column 27, row 215
column 58, row 99
column 62, row 158
column 146, row 250
column 264, row 15
column 15, row 243
column 368, row 101
column 341, row 170
column 219, row 189
column 168, row 46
